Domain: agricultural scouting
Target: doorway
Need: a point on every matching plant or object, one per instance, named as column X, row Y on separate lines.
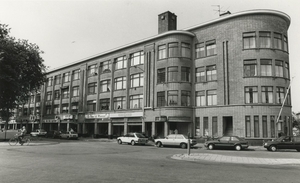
column 227, row 125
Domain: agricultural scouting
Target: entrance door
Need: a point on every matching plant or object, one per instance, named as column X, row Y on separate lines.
column 227, row 126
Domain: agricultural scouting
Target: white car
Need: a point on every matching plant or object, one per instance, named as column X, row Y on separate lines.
column 68, row 135
column 175, row 140
column 38, row 132
column 133, row 138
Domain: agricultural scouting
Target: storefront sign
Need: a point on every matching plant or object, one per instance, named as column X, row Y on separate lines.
column 96, row 116
column 49, row 121
column 67, row 116
column 128, row 114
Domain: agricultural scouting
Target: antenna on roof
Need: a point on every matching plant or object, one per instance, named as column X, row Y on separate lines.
column 218, row 10
column 221, row 12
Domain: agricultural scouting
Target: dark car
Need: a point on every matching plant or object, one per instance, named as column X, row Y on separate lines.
column 227, row 142
column 53, row 134
column 283, row 142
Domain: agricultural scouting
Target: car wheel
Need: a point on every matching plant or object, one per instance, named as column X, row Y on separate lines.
column 158, row 144
column 298, row 150
column 119, row 141
column 132, row 143
column 238, row 147
column 68, row 137
column 273, row 148
column 210, row 146
column 183, row 145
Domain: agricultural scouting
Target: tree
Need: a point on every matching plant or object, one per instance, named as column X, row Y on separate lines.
column 21, row 71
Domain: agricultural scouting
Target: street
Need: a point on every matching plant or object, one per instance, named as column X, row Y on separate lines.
column 106, row 161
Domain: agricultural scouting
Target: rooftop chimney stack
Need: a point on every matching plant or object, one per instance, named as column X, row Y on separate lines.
column 167, row 21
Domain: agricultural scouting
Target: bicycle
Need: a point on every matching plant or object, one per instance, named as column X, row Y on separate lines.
column 13, row 141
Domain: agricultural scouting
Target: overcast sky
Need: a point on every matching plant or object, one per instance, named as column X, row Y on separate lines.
column 69, row 31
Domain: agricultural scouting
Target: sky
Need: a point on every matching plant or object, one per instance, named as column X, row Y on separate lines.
column 69, row 31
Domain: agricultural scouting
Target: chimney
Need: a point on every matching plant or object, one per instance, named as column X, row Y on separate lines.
column 167, row 21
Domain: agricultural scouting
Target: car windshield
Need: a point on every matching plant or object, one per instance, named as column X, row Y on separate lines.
column 139, row 135
column 73, row 132
column 185, row 136
column 280, row 138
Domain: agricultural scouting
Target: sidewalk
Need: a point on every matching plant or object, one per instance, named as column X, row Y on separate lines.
column 234, row 159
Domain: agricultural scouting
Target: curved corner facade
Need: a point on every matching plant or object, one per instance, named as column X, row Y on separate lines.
column 229, row 76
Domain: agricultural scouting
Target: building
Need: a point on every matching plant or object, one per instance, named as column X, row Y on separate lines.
column 226, row 76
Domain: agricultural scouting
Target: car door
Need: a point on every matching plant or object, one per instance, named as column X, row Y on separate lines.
column 233, row 141
column 296, row 141
column 169, row 140
column 285, row 143
column 223, row 142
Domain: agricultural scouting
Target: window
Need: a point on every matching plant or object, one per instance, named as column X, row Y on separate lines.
column 279, row 95
column 92, row 88
column 49, row 81
column 287, row 72
column 186, row 50
column 121, row 63
column 136, row 101
column 200, row 98
column 38, row 98
column 66, row 77
column 91, row 105
column 161, row 75
column 120, row 83
column 248, row 126
column 249, row 40
column 57, row 80
column 65, row 108
column 288, row 97
column 211, row 48
column 48, row 110
column 278, row 68
column 161, row 101
column 136, row 80
column 264, row 39
column 105, row 86
column 267, row 94
column 185, row 98
column 256, row 126
column 56, row 109
column 76, row 74
column 49, row 96
column 264, row 126
column 211, row 97
column 277, row 41
column 30, row 111
column 272, row 126
column 185, row 74
column 25, row 110
column 32, row 99
column 205, row 126
column 92, row 70
column 173, row 50
column 162, row 52
column 105, row 67
column 285, row 43
column 137, row 58
column 56, row 95
column 75, row 91
column 265, row 67
column 172, row 98
column 119, row 103
column 215, row 126
column 74, row 107
column 172, row 74
column 250, row 68
column 211, row 73
column 200, row 74
column 251, row 95
column 200, row 50
column 105, row 104
column 65, row 93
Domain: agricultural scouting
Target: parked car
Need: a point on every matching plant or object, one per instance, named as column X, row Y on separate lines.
column 283, row 142
column 38, row 132
column 133, row 138
column 68, row 135
column 53, row 134
column 227, row 142
column 175, row 140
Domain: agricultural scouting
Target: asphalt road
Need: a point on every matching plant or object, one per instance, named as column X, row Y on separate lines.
column 97, row 161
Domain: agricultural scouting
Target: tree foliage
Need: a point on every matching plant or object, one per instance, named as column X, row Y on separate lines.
column 21, row 71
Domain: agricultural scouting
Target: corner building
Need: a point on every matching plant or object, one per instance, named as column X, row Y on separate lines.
column 226, row 76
